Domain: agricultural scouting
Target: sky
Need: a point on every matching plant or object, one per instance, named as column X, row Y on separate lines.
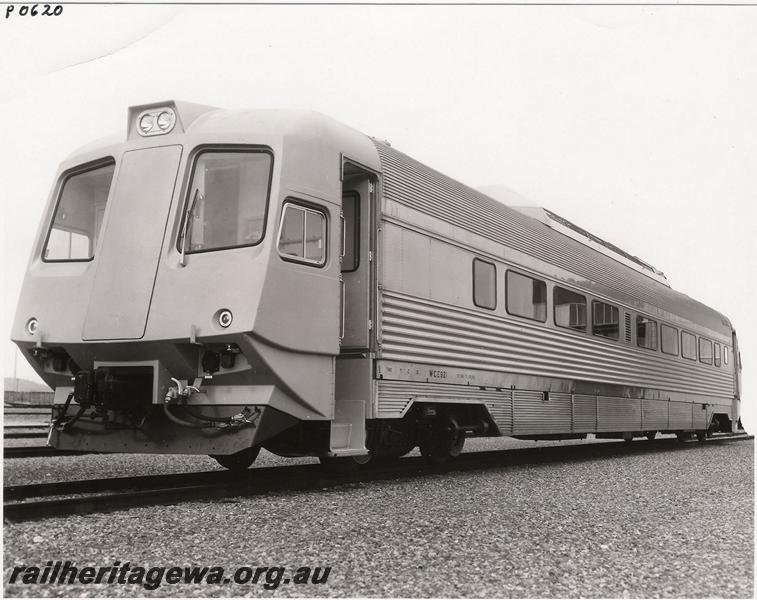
column 636, row 123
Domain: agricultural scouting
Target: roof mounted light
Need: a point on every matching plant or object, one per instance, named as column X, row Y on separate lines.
column 166, row 119
column 156, row 121
column 146, row 123
column 162, row 118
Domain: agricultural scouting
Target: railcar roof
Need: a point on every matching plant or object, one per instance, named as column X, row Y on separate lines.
column 414, row 184
column 305, row 127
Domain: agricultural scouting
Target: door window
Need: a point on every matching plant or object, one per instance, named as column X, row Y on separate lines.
column 351, row 233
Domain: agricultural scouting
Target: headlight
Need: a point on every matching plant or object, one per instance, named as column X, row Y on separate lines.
column 146, row 123
column 31, row 326
column 156, row 121
column 165, row 120
column 225, row 318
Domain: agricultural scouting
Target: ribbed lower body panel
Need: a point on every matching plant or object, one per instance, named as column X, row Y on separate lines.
column 526, row 412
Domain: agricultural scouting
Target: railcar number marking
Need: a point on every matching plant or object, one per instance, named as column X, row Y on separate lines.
column 437, row 374
column 34, row 10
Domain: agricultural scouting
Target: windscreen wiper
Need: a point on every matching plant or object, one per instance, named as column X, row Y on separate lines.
column 186, row 229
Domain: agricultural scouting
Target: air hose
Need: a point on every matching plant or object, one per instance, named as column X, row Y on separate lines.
column 183, row 393
column 182, row 422
column 60, row 423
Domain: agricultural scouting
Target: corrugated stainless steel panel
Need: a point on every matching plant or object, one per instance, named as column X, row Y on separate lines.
column 680, row 415
column 699, row 416
column 619, row 414
column 502, row 413
column 584, row 413
column 394, row 397
column 534, row 414
column 655, row 415
column 413, row 184
column 560, row 413
column 424, row 331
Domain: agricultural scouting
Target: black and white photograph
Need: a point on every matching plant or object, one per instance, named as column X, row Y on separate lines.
column 378, row 299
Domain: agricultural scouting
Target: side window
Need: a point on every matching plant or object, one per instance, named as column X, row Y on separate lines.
column 705, row 351
column 646, row 332
column 605, row 320
column 79, row 215
column 526, row 297
column 570, row 309
column 484, row 284
column 302, row 236
column 351, row 232
column 688, row 345
column 669, row 339
column 725, row 354
column 717, row 354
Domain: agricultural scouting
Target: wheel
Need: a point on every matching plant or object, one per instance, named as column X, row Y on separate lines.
column 239, row 461
column 701, row 435
column 683, row 436
column 651, row 435
column 444, row 443
column 343, row 464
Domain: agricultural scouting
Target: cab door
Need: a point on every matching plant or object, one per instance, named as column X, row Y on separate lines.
column 357, row 262
column 352, row 403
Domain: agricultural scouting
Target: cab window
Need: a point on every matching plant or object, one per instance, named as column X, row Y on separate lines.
column 227, row 201
column 78, row 219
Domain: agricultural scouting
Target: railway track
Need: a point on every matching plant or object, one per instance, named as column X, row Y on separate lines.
column 24, row 435
column 42, row 500
column 19, row 431
column 39, row 451
column 27, row 410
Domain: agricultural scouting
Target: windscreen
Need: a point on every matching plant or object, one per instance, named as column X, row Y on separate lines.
column 79, row 215
column 227, row 201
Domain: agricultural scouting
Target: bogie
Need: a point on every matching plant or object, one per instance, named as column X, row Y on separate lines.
column 239, row 461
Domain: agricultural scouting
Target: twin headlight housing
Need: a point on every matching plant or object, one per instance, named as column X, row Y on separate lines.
column 156, row 121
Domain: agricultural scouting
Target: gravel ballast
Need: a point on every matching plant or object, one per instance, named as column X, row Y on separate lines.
column 676, row 523
column 91, row 466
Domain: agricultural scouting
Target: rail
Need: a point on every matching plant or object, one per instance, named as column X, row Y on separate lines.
column 44, row 500
column 40, row 451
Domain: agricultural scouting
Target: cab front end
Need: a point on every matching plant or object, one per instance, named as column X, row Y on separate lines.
column 183, row 292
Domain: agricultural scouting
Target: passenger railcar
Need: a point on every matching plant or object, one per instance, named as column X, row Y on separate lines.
column 222, row 281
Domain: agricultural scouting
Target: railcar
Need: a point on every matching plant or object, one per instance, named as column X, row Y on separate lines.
column 222, row 281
